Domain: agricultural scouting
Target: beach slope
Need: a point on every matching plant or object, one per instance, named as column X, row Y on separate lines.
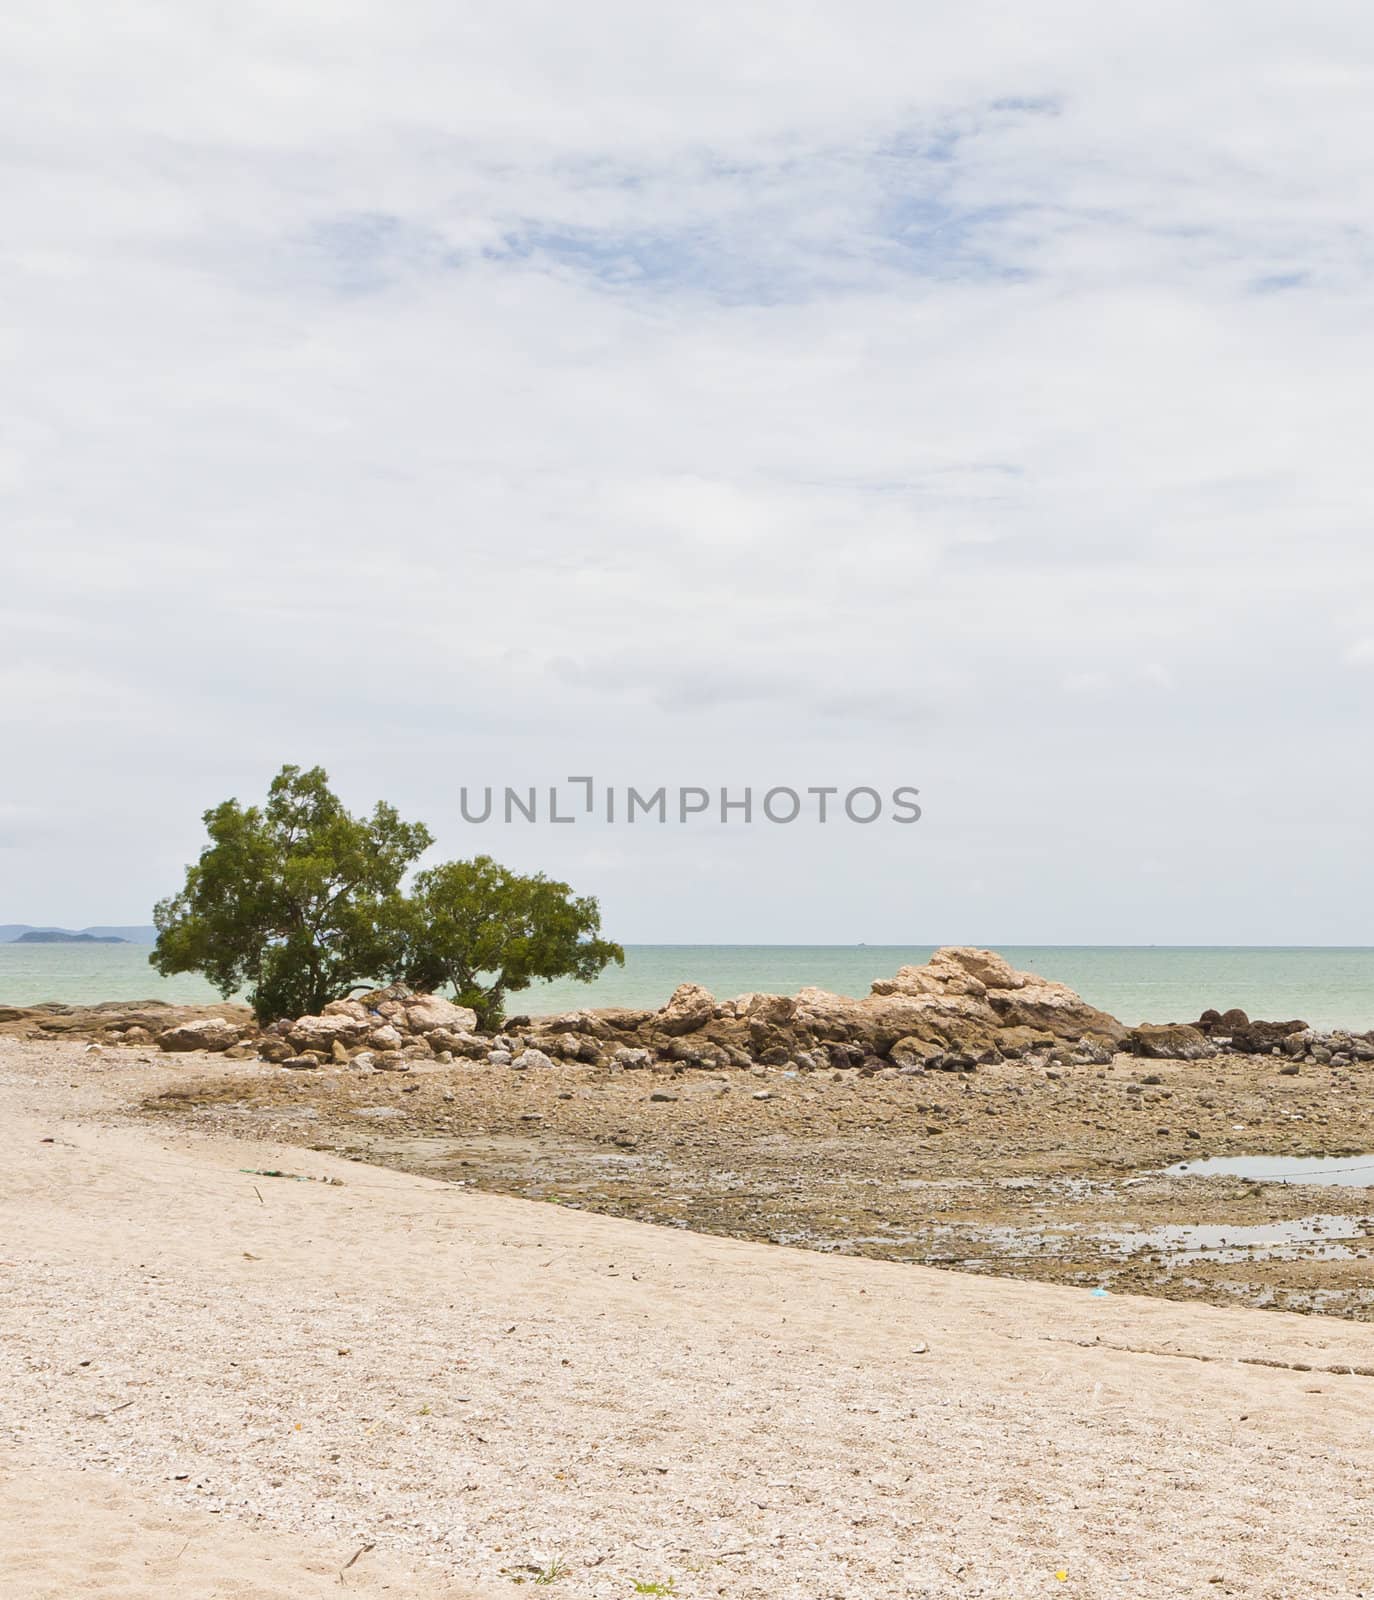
column 252, row 1377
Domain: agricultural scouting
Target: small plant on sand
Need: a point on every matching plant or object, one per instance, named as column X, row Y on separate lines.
column 646, row 1586
column 556, row 1569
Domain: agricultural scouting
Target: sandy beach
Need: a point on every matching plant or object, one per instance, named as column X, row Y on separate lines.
column 220, row 1382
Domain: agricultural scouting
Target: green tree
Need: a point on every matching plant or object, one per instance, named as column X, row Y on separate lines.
column 488, row 932
column 295, row 901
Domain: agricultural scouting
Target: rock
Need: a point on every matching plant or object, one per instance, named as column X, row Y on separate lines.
column 587, row 1022
column 911, row 1052
column 375, row 999
column 690, row 1007
column 340, row 1056
column 323, row 1032
column 210, row 1033
column 1092, row 1054
column 347, row 1008
column 499, row 1058
column 777, row 1010
column 1169, row 1041
column 385, row 1038
column 623, row 1019
column 990, row 969
column 631, row 1059
column 570, row 1047
column 137, row 1035
column 301, row 1063
column 531, row 1058
column 390, row 1061
column 430, row 1011
column 241, row 1052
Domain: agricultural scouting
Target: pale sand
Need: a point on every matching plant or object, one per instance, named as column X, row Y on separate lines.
column 481, row 1386
column 89, row 1536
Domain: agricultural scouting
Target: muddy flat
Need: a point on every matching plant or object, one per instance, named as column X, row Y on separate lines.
column 1064, row 1176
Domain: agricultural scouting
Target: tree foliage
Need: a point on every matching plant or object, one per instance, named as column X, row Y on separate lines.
column 489, row 932
column 293, row 902
column 296, row 902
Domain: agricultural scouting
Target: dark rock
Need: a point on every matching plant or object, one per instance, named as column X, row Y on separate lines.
column 1169, row 1041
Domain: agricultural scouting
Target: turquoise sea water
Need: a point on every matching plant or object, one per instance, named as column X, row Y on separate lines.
column 1326, row 987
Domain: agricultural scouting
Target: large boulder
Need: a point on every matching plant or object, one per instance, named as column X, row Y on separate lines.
column 323, row 1032
column 1169, row 1041
column 1055, row 1008
column 426, row 1012
column 689, row 1007
column 209, row 1033
column 985, row 966
column 346, row 1008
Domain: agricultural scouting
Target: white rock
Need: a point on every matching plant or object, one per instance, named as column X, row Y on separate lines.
column 429, row 1011
column 346, row 1008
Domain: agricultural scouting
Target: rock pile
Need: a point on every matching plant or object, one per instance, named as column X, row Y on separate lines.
column 1233, row 1032
column 1335, row 1047
column 386, row 1029
column 963, row 1009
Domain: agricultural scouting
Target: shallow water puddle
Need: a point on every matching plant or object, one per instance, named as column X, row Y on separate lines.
column 1307, row 1238
column 1355, row 1172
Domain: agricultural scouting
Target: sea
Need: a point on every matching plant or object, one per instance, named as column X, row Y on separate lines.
column 1324, row 986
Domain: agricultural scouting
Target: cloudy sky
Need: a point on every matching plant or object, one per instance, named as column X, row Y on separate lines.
column 975, row 397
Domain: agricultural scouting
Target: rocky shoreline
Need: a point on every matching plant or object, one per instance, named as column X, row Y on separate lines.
column 965, row 1009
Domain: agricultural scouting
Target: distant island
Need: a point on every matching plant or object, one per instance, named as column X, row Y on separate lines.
column 39, row 933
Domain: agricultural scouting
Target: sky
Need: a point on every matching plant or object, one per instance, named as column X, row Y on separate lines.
column 972, row 398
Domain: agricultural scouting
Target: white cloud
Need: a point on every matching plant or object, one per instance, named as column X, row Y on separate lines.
column 442, row 394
